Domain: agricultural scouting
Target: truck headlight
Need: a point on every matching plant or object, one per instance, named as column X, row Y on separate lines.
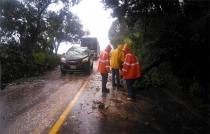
column 85, row 60
column 63, row 60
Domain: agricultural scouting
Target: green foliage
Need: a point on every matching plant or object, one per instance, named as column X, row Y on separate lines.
column 179, row 32
column 119, row 31
column 44, row 61
column 64, row 26
column 15, row 64
column 28, row 34
column 31, row 25
column 135, row 41
column 196, row 94
column 143, row 50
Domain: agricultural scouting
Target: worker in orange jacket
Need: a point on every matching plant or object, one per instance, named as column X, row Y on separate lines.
column 104, row 67
column 130, row 72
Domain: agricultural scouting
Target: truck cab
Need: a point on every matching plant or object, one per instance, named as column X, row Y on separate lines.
column 93, row 44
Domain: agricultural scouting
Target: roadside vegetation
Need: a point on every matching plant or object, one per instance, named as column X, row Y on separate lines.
column 14, row 64
column 30, row 35
column 171, row 40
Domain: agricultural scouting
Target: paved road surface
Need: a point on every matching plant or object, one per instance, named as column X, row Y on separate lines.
column 35, row 106
column 154, row 112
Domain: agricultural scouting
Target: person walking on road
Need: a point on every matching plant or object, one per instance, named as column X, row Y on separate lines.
column 130, row 72
column 104, row 68
column 116, row 60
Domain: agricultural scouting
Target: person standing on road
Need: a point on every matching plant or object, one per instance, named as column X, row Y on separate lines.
column 130, row 72
column 104, row 68
column 116, row 59
column 123, row 51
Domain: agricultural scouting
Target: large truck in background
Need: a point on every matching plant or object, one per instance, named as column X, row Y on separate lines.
column 93, row 44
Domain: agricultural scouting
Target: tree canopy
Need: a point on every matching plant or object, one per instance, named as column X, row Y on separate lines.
column 180, row 31
column 29, row 33
column 176, row 31
column 29, row 24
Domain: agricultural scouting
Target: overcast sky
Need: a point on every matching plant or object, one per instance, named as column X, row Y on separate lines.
column 95, row 19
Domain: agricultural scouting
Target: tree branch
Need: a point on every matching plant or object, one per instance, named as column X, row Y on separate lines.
column 153, row 64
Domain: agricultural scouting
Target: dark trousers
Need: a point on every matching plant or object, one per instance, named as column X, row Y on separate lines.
column 129, row 85
column 104, row 81
column 115, row 73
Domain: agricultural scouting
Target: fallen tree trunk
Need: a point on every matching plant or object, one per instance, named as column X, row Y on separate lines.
column 157, row 62
column 145, row 82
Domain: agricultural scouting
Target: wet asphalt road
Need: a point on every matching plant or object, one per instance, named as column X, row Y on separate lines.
column 154, row 112
column 34, row 105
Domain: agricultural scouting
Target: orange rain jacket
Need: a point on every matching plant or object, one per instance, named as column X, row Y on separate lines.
column 116, row 57
column 131, row 66
column 103, row 64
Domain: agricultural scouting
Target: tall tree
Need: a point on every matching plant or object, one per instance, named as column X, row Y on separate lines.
column 64, row 27
column 119, row 31
column 180, row 31
column 40, row 7
column 28, row 23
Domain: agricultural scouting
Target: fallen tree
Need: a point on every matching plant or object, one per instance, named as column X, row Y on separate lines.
column 155, row 63
column 144, row 81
